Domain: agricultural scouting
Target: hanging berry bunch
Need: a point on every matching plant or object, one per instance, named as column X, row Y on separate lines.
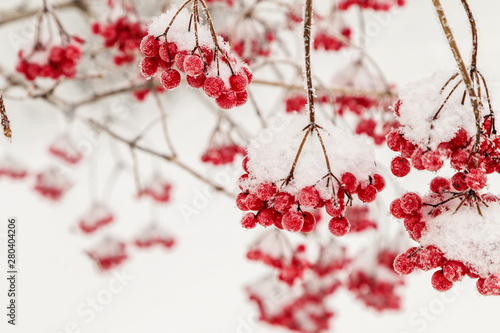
column 222, row 149
column 456, row 223
column 121, row 30
column 65, row 149
column 178, row 41
column 52, row 184
column 379, row 5
column 95, row 218
column 157, row 189
column 11, row 168
column 332, row 33
column 295, row 102
column 154, row 235
column 108, row 254
column 53, row 54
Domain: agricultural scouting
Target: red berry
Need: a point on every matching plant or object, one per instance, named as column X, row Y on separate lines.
column 403, row 264
column 460, row 139
column 266, row 217
column 293, row 221
column 196, row 81
column 149, row 46
column 440, row 184
column 168, row 54
column 416, row 159
column 56, row 54
column 240, row 201
column 350, row 182
column 266, row 191
column 213, row 87
column 411, row 220
column 335, row 208
column 418, row 230
column 489, row 286
column 283, row 202
column 429, row 258
column 244, row 163
column 241, row 97
column 249, row 221
column 400, row 167
column 458, row 182
column 227, row 100
column 394, row 140
column 476, row 179
column 396, row 209
column 378, row 182
column 253, row 203
column 179, row 59
column 411, row 203
column 433, row 160
column 309, row 196
column 454, row 271
column 309, row 222
column 193, row 65
column 440, row 283
column 339, row 226
column 170, row 79
column 149, row 66
column 238, row 81
column 367, row 194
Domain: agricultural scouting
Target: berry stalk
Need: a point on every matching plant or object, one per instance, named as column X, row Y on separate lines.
column 307, row 52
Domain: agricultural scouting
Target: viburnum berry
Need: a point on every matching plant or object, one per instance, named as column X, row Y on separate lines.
column 367, row 194
column 335, row 208
column 293, row 221
column 266, row 191
column 458, row 182
column 266, row 217
column 253, row 202
column 193, row 65
column 429, row 258
column 417, row 159
column 460, row 139
column 240, row 201
column 433, row 160
column 196, row 81
column 400, row 167
column 168, row 53
column 179, row 60
column 249, row 221
column 309, row 222
column 476, row 179
column 439, row 282
column 238, row 82
column 283, row 202
column 350, row 182
column 309, row 196
column 170, row 79
column 396, row 210
column 241, row 98
column 394, row 140
column 404, row 264
column 213, row 87
column 411, row 203
column 339, row 226
column 227, row 100
column 149, row 66
column 149, row 46
column 440, row 184
column 378, row 182
column 489, row 286
column 454, row 271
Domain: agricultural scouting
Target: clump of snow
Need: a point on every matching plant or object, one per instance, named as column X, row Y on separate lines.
column 272, row 153
column 422, row 100
column 467, row 237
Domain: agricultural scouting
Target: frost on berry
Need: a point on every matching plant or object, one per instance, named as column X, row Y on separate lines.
column 440, row 283
column 95, row 218
column 157, row 188
column 65, row 149
column 154, row 235
column 52, row 184
column 12, row 168
column 293, row 221
column 108, row 253
column 339, row 226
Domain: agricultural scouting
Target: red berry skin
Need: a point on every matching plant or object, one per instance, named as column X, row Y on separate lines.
column 489, row 286
column 196, row 81
column 227, row 100
column 241, row 97
column 394, row 140
column 213, row 87
column 433, row 160
column 417, row 159
column 367, row 194
column 396, row 209
column 244, row 163
column 248, row 221
column 238, row 82
column 429, row 258
column 278, row 222
column 56, row 55
column 293, row 221
column 460, row 139
column 458, row 182
column 179, row 60
column 266, row 191
column 240, row 201
column 149, row 46
column 440, row 283
column 168, row 54
column 440, row 184
column 476, row 179
column 350, row 182
column 454, row 271
column 339, row 226
column 400, row 167
column 378, row 182
column 335, row 208
column 411, row 203
column 283, row 202
column 253, row 203
column 170, row 79
column 149, row 66
column 418, row 230
column 248, row 73
column 309, row 222
column 193, row 65
column 403, row 264
column 309, row 196
column 266, row 217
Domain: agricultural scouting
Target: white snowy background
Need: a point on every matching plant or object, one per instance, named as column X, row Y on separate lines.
column 198, row 287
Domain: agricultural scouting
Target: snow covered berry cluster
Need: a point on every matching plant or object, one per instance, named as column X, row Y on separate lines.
column 382, row 5
column 221, row 155
column 121, row 30
column 172, row 47
column 322, row 174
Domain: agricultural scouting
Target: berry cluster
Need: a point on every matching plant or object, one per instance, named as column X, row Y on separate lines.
column 158, row 189
column 382, row 5
column 153, row 235
column 206, row 61
column 123, row 33
column 51, row 60
column 52, row 184
column 66, row 150
column 108, row 254
column 11, row 168
column 359, row 217
column 223, row 154
column 251, row 47
column 97, row 217
column 295, row 102
column 323, row 40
